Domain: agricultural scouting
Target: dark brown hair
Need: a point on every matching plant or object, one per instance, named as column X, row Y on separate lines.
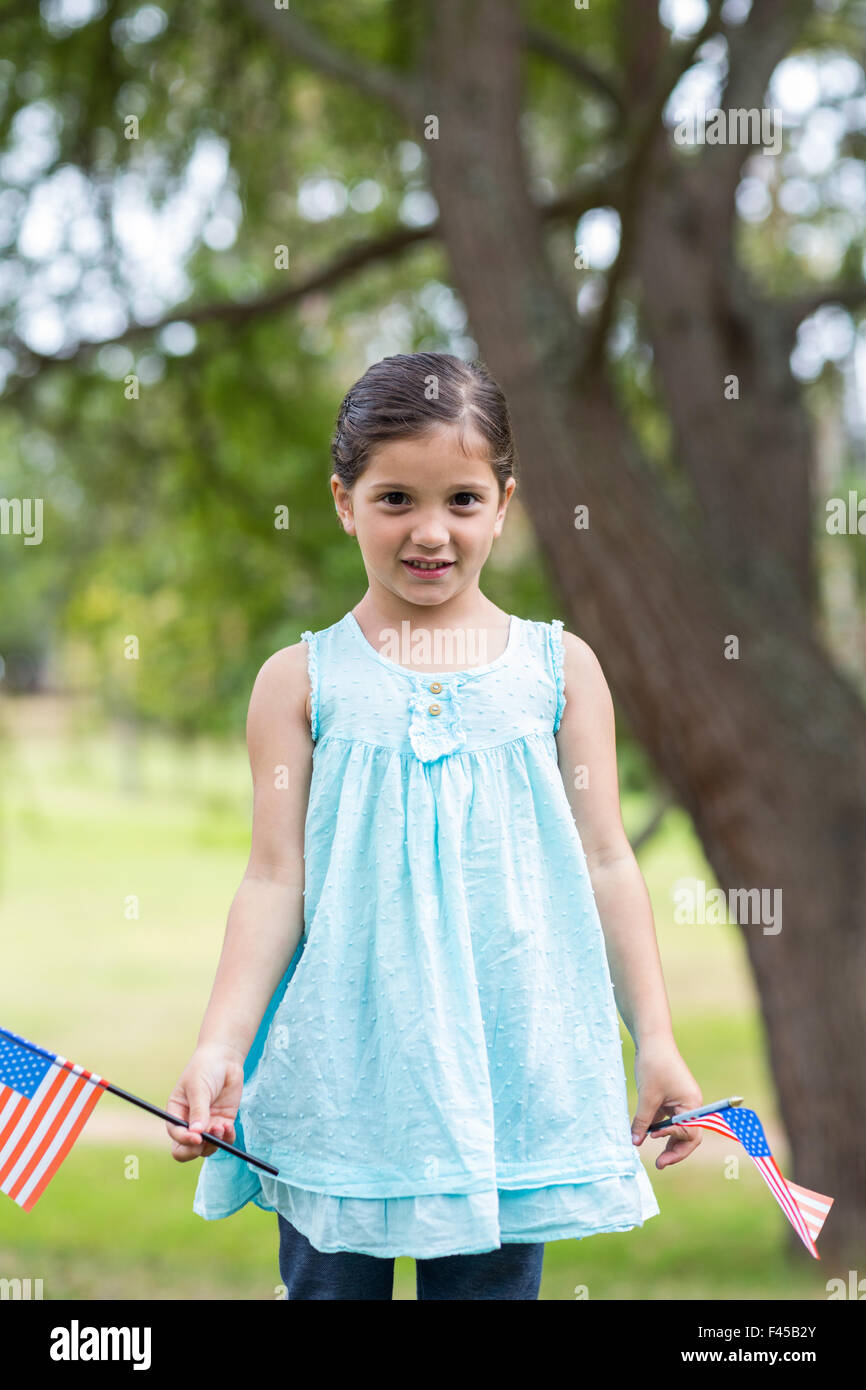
column 392, row 400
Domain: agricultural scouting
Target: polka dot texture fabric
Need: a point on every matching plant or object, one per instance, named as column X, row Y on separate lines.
column 440, row 1069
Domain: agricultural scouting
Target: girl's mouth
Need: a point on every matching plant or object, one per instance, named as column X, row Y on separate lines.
column 427, row 570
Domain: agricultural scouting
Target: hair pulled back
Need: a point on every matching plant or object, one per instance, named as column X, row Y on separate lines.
column 410, row 394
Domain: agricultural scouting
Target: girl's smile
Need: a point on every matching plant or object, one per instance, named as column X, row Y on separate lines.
column 426, row 570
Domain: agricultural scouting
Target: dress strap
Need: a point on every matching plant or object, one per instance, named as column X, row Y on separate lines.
column 311, row 639
column 554, row 638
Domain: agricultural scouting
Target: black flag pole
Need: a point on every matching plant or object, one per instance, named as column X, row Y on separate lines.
column 137, row 1100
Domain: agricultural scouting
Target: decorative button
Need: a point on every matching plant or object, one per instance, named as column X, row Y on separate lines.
column 435, row 687
column 436, row 730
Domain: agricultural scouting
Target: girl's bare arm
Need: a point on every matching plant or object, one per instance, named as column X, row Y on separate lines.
column 266, row 918
column 586, row 740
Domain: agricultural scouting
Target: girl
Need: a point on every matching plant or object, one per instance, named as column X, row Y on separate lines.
column 437, row 1071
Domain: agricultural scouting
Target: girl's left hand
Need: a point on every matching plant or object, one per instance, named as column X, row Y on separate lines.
column 665, row 1086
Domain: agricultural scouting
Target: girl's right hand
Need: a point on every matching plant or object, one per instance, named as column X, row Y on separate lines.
column 206, row 1097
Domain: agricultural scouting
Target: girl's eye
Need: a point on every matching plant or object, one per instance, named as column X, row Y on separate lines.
column 472, row 496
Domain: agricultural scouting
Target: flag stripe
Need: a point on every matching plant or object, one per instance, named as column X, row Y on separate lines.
column 52, row 1162
column 711, row 1122
column 814, row 1213
column 770, row 1171
column 49, row 1087
column 13, row 1108
column 49, row 1135
column 769, row 1165
column 798, row 1222
column 37, row 1130
column 812, row 1200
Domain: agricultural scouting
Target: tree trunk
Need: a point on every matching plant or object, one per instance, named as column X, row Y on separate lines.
column 777, row 730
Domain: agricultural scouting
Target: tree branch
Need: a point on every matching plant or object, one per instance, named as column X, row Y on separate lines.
column 605, row 189
column 647, row 128
column 645, row 834
column 791, row 311
column 236, row 312
column 299, row 39
column 549, row 46
column 754, row 50
column 683, row 55
column 586, row 193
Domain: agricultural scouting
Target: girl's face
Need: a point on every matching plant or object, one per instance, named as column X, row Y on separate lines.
column 424, row 499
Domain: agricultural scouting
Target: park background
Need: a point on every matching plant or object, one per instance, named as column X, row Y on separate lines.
column 232, row 207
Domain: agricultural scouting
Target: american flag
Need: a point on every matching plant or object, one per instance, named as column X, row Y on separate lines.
column 44, row 1103
column 806, row 1210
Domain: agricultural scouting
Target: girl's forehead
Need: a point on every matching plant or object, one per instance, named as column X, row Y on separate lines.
column 432, row 452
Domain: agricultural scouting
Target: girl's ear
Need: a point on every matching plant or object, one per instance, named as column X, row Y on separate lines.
column 503, row 506
column 343, row 506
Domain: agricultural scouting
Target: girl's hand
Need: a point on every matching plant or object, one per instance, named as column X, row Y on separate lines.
column 207, row 1096
column 665, row 1086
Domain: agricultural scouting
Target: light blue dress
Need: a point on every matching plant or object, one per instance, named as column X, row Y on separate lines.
column 440, row 1071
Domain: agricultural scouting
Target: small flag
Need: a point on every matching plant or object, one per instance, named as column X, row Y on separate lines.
column 44, row 1104
column 806, row 1210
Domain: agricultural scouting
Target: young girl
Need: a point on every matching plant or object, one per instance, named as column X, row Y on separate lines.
column 437, row 1071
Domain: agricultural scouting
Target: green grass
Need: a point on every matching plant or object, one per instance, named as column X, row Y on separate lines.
column 98, row 1234
column 125, row 995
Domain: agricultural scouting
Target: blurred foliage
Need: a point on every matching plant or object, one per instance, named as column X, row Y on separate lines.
column 159, row 512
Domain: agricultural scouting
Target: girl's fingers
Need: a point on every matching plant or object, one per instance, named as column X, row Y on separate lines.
column 220, row 1129
column 677, row 1150
column 678, row 1133
column 188, row 1144
column 182, row 1152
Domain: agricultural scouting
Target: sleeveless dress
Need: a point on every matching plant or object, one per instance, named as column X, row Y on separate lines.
column 440, row 1071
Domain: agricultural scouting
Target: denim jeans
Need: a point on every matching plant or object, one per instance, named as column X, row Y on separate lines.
column 511, row 1272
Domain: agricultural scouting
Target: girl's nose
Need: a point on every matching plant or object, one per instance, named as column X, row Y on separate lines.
column 430, row 535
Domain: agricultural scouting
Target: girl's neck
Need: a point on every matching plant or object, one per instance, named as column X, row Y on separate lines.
column 475, row 614
column 436, row 637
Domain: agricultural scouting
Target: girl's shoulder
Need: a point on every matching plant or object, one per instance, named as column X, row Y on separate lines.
column 575, row 668
column 293, row 671
column 577, row 651
column 582, row 679
column 282, row 684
